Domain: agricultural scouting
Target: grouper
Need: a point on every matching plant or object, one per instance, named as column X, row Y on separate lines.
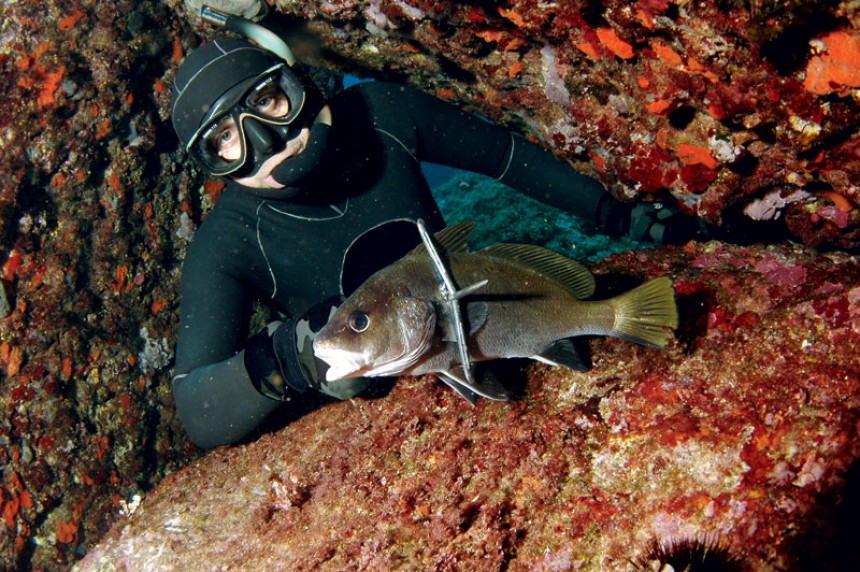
column 526, row 302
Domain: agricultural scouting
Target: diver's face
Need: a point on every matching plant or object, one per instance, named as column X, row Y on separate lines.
column 226, row 140
column 253, row 127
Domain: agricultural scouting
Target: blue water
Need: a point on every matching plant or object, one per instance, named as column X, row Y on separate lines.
column 438, row 175
column 502, row 214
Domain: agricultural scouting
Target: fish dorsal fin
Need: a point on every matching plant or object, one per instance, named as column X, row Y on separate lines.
column 570, row 273
column 450, row 239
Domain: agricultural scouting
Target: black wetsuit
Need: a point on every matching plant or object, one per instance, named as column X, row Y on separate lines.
column 291, row 253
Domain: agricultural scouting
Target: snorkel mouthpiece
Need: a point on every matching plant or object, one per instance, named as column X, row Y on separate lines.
column 291, row 171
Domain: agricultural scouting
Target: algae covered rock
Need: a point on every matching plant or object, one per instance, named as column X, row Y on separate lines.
column 737, row 110
column 742, row 433
column 89, row 265
column 743, row 112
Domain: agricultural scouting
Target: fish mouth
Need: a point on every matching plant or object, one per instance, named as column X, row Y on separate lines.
column 340, row 369
column 341, row 364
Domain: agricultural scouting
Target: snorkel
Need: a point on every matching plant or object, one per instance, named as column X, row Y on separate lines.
column 258, row 34
column 224, row 65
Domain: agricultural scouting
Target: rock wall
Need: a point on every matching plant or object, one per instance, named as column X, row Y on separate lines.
column 745, row 112
column 741, row 435
column 94, row 217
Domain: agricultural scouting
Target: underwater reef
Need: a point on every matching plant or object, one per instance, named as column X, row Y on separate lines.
column 745, row 113
column 740, row 434
column 95, row 214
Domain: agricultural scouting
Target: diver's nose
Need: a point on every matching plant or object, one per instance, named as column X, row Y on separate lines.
column 259, row 136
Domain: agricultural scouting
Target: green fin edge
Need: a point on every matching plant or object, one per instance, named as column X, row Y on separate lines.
column 648, row 313
column 568, row 272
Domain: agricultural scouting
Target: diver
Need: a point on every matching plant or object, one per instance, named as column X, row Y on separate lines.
column 321, row 193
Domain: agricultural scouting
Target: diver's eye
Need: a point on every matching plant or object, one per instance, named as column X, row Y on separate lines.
column 264, row 102
column 224, row 136
column 222, row 139
column 270, row 102
column 358, row 322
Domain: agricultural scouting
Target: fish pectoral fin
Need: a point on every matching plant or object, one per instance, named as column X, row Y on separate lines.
column 459, row 386
column 476, row 317
column 567, row 353
column 487, row 384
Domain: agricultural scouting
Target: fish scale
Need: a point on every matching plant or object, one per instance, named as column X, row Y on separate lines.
column 400, row 321
column 519, row 301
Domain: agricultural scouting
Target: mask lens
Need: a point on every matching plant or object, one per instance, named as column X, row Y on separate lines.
column 269, row 102
column 221, row 146
column 275, row 98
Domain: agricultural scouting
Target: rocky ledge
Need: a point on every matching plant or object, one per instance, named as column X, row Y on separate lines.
column 739, row 437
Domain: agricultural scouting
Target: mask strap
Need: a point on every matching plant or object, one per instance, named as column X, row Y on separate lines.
column 260, row 35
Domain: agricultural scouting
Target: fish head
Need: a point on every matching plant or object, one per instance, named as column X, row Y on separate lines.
column 381, row 330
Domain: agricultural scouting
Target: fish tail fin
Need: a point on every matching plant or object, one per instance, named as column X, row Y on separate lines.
column 647, row 313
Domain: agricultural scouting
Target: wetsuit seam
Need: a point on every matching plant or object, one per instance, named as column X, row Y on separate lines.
column 510, row 158
column 340, row 213
column 402, row 144
column 263, row 251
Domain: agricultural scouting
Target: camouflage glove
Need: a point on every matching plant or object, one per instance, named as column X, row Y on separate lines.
column 280, row 360
column 663, row 223
column 657, row 222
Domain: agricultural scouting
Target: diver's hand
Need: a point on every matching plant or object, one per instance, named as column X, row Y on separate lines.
column 300, row 354
column 280, row 360
column 275, row 376
column 664, row 223
column 654, row 222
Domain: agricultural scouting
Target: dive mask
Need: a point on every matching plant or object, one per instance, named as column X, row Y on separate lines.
column 250, row 121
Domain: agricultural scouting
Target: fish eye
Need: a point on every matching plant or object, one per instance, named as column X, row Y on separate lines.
column 358, row 322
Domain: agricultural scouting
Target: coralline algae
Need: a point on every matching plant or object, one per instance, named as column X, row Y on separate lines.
column 714, row 104
column 90, row 198
column 743, row 433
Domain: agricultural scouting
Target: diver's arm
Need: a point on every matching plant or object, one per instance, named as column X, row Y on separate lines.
column 226, row 386
column 217, row 403
column 449, row 136
column 213, row 393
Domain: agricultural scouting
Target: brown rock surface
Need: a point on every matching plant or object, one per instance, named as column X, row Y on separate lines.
column 743, row 430
column 740, row 110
